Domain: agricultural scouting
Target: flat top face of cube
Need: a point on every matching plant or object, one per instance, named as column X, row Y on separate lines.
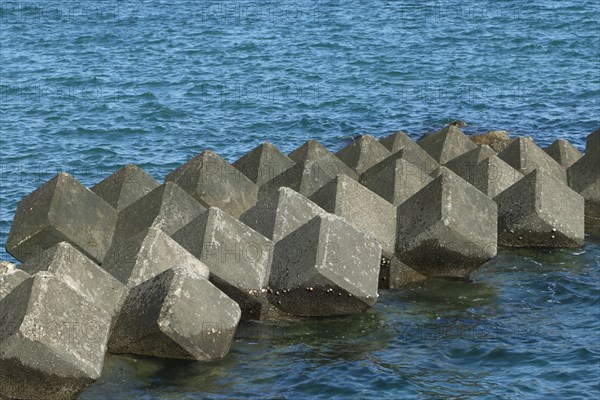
column 525, row 156
column 125, row 186
column 447, row 144
column 396, row 141
column 363, row 153
column 263, row 163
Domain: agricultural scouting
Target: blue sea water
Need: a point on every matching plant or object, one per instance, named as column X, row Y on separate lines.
column 87, row 87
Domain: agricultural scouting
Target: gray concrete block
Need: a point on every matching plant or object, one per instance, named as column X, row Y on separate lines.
column 584, row 178
column 446, row 144
column 563, row 152
column 305, row 178
column 325, row 268
column 540, row 211
column 52, row 341
column 238, row 257
column 361, row 208
column 592, row 143
column 412, row 152
column 525, row 156
column 317, row 153
column 168, row 207
column 176, row 314
column 396, row 180
column 82, row 274
column 62, row 209
column 464, row 163
column 394, row 274
column 147, row 254
column 10, row 278
column 363, row 153
column 282, row 213
column 215, row 183
column 125, row 186
column 396, row 141
column 447, row 229
column 263, row 163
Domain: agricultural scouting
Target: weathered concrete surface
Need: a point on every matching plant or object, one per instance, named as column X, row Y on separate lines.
column 497, row 140
column 147, row 254
column 325, row 268
column 584, row 178
column 592, row 143
column 361, row 208
column 82, row 274
column 396, row 141
column 263, row 163
column 540, row 211
column 62, row 209
column 447, row 229
column 363, row 153
column 525, row 156
column 446, row 144
column 238, row 257
column 168, row 207
column 395, row 179
column 125, row 186
column 327, row 161
column 305, row 178
column 10, row 278
column 464, row 164
column 214, row 183
column 282, row 213
column 563, row 152
column 411, row 152
column 394, row 274
column 52, row 341
column 177, row 314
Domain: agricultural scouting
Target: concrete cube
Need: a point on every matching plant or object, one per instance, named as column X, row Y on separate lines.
column 215, row 183
column 447, row 229
column 176, row 314
column 396, row 141
column 394, row 274
column 592, row 143
column 412, row 151
column 563, row 152
column 62, row 210
column 263, row 163
column 52, row 341
column 305, row 178
column 125, row 186
column 238, row 257
column 147, row 254
column 540, row 211
column 10, row 278
column 584, row 178
column 361, row 208
column 82, row 274
column 463, row 164
column 282, row 213
column 327, row 161
column 168, row 207
column 363, row 153
column 325, row 268
column 446, row 144
column 525, row 156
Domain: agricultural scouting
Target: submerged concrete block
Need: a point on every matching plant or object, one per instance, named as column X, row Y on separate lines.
column 446, row 144
column 540, row 211
column 363, row 153
column 282, row 213
column 305, row 178
column 563, row 152
column 10, row 278
column 176, row 314
column 412, row 152
column 52, row 341
column 396, row 180
column 325, row 268
column 584, row 178
column 82, row 274
column 147, row 254
column 263, row 163
column 327, row 161
column 361, row 208
column 215, row 183
column 238, row 257
column 525, row 156
column 125, row 186
column 168, row 207
column 447, row 229
column 62, row 210
column 394, row 274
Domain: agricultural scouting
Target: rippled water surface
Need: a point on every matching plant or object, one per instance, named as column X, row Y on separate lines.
column 87, row 87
